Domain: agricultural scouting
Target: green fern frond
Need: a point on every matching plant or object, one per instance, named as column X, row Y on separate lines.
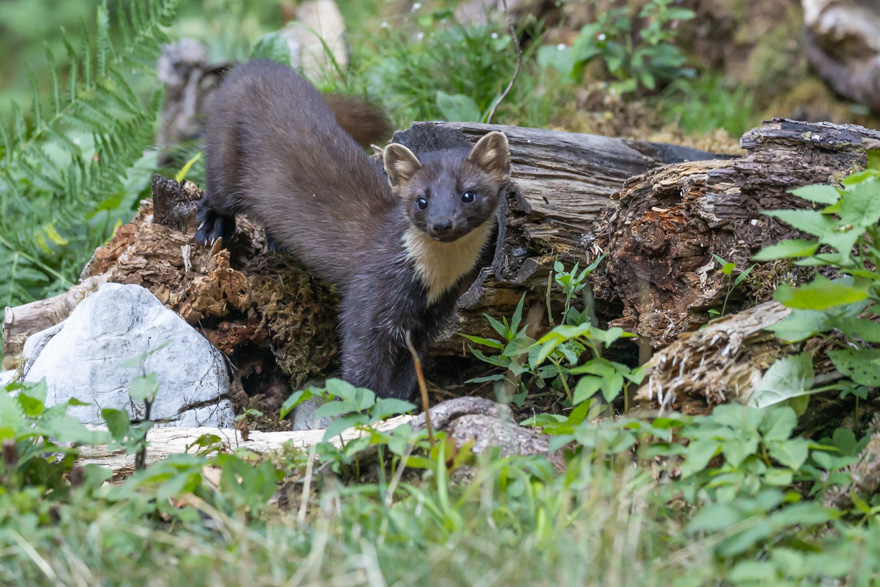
column 64, row 171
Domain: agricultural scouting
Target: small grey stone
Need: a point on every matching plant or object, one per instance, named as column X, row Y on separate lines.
column 304, row 415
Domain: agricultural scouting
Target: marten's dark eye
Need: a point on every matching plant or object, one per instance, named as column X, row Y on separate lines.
column 468, row 197
column 422, row 203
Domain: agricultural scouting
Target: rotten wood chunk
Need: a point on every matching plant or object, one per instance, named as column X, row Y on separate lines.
column 723, row 362
column 670, row 221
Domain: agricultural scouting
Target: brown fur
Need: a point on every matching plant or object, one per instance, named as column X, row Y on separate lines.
column 276, row 152
column 365, row 122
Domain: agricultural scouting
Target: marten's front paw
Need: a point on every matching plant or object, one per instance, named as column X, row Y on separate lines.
column 213, row 226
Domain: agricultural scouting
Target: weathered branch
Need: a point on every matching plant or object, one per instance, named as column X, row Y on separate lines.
column 464, row 420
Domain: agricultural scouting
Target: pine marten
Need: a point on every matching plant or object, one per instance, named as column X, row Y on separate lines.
column 397, row 253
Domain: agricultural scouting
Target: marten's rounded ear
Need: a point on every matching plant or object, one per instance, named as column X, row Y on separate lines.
column 400, row 164
column 492, row 153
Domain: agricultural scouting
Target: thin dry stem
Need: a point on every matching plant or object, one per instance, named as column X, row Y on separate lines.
column 515, row 71
column 426, row 404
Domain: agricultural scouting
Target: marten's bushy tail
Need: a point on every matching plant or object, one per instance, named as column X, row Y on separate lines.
column 364, row 121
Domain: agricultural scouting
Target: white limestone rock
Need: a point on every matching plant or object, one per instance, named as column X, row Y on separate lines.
column 80, row 358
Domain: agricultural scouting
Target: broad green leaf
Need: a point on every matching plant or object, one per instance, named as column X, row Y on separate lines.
column 736, row 450
column 31, row 406
column 294, row 400
column 715, row 517
column 390, row 406
column 809, row 221
column 800, row 325
column 752, row 571
column 35, row 390
column 787, row 249
column 747, row 539
column 791, row 453
column 699, row 453
column 778, row 477
column 333, row 408
column 861, row 328
column 586, row 388
column 342, row 424
column 820, row 194
column 561, row 58
column 458, row 107
column 519, row 345
column 11, row 412
column 739, row 418
column 675, row 13
column 144, row 387
column 272, row 46
column 546, row 349
column 69, row 429
column 789, row 377
column 821, row 294
column 805, row 514
column 612, row 386
column 566, row 332
column 489, row 342
column 341, row 389
column 118, row 422
column 862, row 365
column 860, row 205
column 778, row 424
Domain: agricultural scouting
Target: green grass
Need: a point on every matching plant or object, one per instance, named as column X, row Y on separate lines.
column 602, row 527
column 707, row 103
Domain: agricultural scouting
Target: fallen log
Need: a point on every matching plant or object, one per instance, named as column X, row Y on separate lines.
column 721, row 363
column 671, row 209
column 465, row 420
column 670, row 221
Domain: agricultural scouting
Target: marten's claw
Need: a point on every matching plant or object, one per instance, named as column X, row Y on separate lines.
column 213, row 226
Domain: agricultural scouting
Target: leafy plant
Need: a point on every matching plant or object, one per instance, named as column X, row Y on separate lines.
column 728, row 269
column 563, row 348
column 38, row 443
column 636, row 64
column 845, row 232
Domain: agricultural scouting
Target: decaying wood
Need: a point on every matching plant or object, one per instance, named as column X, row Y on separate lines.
column 670, row 221
column 723, row 362
column 465, row 420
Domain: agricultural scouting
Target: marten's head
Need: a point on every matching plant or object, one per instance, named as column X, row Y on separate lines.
column 449, row 193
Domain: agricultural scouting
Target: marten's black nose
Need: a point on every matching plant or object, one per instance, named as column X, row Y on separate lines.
column 442, row 227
